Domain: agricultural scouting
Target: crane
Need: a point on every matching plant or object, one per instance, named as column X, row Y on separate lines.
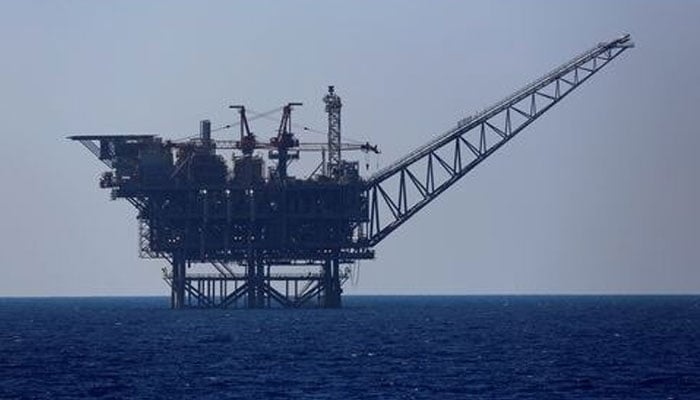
column 434, row 167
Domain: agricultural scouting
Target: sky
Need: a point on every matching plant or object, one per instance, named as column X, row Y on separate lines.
column 599, row 196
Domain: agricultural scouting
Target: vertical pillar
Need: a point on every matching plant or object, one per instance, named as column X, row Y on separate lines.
column 261, row 295
column 326, row 282
column 177, row 297
column 251, row 278
column 337, row 289
column 331, row 284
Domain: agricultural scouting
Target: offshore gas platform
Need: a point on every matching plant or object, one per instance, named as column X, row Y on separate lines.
column 271, row 239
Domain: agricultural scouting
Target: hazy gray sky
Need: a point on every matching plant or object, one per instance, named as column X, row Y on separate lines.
column 600, row 195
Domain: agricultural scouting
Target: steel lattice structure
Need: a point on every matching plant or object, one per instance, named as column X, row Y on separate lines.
column 333, row 106
column 195, row 209
column 431, row 169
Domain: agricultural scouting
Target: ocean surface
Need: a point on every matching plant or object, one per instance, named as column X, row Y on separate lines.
column 467, row 347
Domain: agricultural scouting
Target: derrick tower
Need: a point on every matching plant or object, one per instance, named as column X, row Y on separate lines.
column 333, row 105
column 271, row 238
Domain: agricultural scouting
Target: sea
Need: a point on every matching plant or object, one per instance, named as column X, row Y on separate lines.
column 376, row 347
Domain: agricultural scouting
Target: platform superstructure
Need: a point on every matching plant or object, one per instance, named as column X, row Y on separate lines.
column 271, row 238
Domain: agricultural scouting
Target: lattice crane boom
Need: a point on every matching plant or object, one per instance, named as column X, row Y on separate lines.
column 399, row 191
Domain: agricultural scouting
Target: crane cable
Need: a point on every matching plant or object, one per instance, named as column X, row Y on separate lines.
column 235, row 124
column 300, row 126
column 267, row 115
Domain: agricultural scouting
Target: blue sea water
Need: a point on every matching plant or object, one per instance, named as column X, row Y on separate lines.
column 491, row 347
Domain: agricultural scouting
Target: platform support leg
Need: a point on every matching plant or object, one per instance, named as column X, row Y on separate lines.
column 251, row 291
column 331, row 284
column 177, row 296
column 255, row 278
